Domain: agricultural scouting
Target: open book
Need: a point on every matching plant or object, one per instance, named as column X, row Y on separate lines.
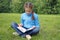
column 23, row 29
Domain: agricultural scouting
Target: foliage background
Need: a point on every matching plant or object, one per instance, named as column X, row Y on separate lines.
column 40, row 6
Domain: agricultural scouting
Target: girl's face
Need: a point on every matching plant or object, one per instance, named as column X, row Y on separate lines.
column 28, row 10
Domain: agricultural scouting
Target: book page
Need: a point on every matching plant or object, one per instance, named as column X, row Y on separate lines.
column 22, row 29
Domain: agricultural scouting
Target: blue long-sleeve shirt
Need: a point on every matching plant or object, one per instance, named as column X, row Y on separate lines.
column 27, row 21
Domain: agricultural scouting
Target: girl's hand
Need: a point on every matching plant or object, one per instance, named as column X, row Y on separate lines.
column 31, row 28
column 20, row 25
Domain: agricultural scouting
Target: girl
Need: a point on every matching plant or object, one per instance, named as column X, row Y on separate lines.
column 29, row 21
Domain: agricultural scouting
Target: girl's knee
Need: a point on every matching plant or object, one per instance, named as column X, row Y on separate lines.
column 36, row 30
column 14, row 24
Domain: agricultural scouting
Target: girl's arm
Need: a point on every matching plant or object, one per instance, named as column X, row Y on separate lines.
column 22, row 22
column 36, row 23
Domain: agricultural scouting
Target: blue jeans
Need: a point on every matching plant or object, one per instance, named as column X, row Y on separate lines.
column 31, row 32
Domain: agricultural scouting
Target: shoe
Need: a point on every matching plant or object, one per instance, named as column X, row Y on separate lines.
column 28, row 37
column 15, row 33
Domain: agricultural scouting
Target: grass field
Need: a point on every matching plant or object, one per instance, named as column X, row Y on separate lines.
column 49, row 29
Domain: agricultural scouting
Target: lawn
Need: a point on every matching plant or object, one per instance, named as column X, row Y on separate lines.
column 49, row 27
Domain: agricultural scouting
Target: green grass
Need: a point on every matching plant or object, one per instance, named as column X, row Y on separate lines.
column 49, row 30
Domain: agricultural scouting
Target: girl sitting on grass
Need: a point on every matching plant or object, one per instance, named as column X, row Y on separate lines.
column 29, row 21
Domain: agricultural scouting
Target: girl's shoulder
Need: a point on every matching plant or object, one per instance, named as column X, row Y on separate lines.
column 23, row 14
column 35, row 14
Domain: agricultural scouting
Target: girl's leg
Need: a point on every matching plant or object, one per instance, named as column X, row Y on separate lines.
column 34, row 31
column 14, row 26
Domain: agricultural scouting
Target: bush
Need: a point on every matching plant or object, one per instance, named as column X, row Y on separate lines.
column 40, row 6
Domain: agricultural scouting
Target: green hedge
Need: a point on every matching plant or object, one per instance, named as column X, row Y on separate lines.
column 40, row 6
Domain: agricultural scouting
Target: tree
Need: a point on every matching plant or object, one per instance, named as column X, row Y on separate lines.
column 4, row 5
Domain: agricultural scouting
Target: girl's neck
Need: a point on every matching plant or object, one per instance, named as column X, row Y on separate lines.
column 29, row 14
